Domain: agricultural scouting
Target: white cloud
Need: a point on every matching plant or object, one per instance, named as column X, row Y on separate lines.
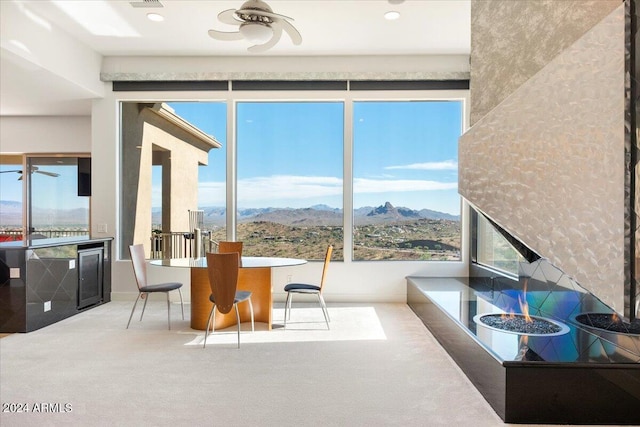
column 289, row 187
column 211, row 193
column 362, row 185
column 280, row 187
column 432, row 166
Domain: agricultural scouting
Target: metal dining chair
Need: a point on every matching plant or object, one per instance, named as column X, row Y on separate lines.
column 223, row 269
column 306, row 288
column 144, row 288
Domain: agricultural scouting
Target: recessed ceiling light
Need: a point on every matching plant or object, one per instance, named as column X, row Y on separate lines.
column 155, row 17
column 392, row 15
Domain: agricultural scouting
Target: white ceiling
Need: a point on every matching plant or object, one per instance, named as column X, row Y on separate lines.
column 328, row 27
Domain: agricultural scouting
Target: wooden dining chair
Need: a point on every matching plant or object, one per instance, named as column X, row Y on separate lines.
column 226, row 247
column 144, row 288
column 223, row 269
column 306, row 288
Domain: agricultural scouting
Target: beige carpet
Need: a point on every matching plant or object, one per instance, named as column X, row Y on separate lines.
column 377, row 366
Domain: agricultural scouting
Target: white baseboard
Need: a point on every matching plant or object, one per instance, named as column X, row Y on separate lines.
column 281, row 296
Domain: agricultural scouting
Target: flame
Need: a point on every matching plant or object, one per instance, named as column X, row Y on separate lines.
column 506, row 316
column 524, row 307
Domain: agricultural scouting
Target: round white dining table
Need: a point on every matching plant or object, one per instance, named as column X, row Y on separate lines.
column 254, row 276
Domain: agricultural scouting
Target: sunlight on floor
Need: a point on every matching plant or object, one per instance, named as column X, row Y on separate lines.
column 306, row 324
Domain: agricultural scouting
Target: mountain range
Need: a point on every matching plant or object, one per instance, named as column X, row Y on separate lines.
column 11, row 214
column 326, row 215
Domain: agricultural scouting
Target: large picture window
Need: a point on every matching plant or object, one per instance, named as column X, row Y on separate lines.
column 11, row 223
column 279, row 174
column 58, row 206
column 290, row 168
column 58, row 192
column 405, row 180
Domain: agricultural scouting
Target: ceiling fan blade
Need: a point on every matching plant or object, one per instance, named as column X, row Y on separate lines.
column 277, row 33
column 229, row 17
column 17, row 171
column 224, row 35
column 296, row 38
column 53, row 174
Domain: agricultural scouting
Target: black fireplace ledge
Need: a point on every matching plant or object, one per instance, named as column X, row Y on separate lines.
column 589, row 381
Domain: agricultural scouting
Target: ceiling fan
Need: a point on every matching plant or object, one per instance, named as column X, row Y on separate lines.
column 34, row 169
column 258, row 24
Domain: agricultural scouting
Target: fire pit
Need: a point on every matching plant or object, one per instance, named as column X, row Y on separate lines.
column 609, row 322
column 521, row 324
column 550, row 370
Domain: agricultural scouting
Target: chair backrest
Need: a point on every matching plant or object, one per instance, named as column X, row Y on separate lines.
column 228, row 247
column 223, row 278
column 327, row 259
column 139, row 264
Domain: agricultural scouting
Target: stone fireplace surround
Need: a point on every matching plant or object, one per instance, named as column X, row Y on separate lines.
column 549, row 158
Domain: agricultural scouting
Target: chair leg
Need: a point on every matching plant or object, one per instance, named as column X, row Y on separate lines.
column 286, row 304
column 324, row 310
column 168, row 310
column 206, row 331
column 238, row 320
column 181, row 303
column 133, row 309
column 253, row 327
column 146, row 298
column 290, row 301
column 324, row 306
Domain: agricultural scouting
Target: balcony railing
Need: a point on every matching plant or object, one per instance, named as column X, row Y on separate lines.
column 181, row 245
column 16, row 235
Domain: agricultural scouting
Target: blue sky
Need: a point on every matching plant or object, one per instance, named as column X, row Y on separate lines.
column 290, row 154
column 10, row 187
column 47, row 189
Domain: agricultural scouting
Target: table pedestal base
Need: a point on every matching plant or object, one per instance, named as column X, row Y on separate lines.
column 256, row 280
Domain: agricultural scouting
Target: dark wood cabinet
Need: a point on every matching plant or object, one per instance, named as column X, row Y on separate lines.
column 90, row 267
column 43, row 281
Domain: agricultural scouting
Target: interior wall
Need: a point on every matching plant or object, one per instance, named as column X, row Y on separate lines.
column 547, row 162
column 45, row 134
column 47, row 59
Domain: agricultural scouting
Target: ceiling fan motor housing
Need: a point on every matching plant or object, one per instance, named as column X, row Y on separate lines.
column 245, row 12
column 257, row 24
